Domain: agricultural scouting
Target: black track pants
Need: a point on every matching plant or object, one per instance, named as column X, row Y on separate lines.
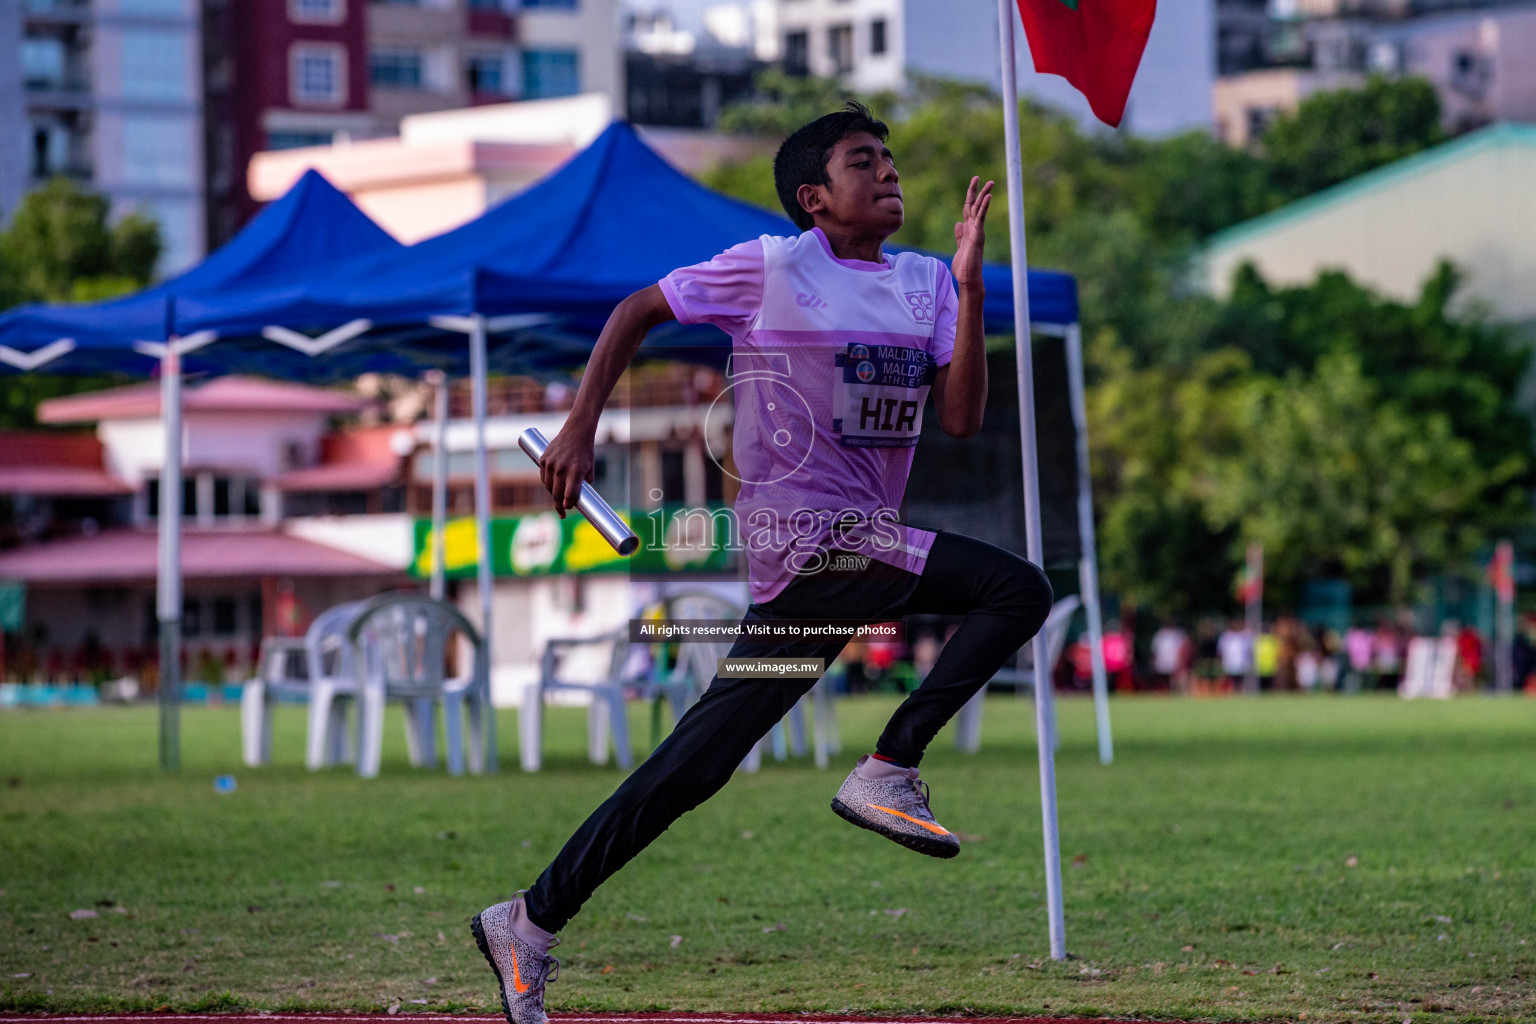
column 1004, row 599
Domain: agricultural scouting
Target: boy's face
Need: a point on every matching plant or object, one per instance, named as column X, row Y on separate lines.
column 863, row 193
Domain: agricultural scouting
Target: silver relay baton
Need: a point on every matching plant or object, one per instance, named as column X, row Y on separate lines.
column 591, row 504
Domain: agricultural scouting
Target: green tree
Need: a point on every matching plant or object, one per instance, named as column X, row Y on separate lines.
column 1150, row 430
column 1338, row 134
column 1187, row 187
column 1420, row 355
column 785, row 102
column 60, row 248
column 1336, row 480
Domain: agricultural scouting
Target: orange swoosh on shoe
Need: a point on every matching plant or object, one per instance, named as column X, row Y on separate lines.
column 930, row 826
column 517, row 979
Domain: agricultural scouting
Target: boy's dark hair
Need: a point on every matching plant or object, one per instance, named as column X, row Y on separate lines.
column 802, row 159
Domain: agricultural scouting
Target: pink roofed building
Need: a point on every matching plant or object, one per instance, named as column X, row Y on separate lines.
column 268, row 466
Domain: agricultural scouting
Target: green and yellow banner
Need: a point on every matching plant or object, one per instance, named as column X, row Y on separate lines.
column 542, row 544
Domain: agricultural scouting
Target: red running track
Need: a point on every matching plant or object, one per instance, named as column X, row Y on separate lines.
column 625, row 1018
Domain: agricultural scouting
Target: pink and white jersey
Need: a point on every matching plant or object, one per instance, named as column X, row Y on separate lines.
column 831, row 365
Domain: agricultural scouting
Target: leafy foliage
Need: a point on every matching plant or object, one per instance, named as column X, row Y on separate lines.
column 60, row 248
column 1336, row 480
column 1336, row 135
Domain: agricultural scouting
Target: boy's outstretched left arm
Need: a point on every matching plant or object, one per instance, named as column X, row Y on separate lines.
column 960, row 388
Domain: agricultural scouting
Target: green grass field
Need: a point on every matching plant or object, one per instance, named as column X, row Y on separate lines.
column 1322, row 859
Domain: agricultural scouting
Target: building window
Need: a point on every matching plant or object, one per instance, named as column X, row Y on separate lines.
column 224, row 623
column 317, row 12
column 840, row 48
column 1259, row 120
column 158, row 150
column 550, row 73
column 156, row 65
column 395, row 68
column 877, row 37
column 155, row 6
column 797, row 53
column 298, row 140
column 317, row 75
column 673, row 485
column 42, row 63
column 232, row 497
column 559, row 5
column 486, row 76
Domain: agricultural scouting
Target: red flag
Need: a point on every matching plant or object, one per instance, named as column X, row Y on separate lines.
column 1501, row 571
column 1094, row 44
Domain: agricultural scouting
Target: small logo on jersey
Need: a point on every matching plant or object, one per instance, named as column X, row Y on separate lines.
column 866, row 372
column 808, row 301
column 922, row 306
column 858, row 352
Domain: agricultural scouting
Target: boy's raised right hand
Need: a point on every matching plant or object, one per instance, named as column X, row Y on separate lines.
column 567, row 462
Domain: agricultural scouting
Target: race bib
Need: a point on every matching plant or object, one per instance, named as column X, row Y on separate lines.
column 879, row 395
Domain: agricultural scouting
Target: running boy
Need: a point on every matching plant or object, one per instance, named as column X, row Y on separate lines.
column 836, row 347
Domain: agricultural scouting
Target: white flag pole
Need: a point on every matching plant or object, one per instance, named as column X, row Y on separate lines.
column 1045, row 711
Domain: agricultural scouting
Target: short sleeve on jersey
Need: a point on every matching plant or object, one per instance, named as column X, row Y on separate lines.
column 945, row 318
column 727, row 291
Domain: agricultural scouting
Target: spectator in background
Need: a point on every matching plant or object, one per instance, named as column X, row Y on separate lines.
column 1266, row 657
column 1170, row 657
column 1525, row 652
column 1357, row 647
column 1387, row 650
column 1469, row 658
column 1118, row 647
column 1330, row 654
column 1207, row 668
column 1235, row 649
column 1291, row 637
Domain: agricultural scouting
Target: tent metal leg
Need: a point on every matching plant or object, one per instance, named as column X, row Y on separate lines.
column 1045, row 711
column 484, row 578
column 1088, row 560
column 439, row 381
column 168, row 583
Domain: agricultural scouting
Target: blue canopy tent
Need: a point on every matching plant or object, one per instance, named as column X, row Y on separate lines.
column 309, row 228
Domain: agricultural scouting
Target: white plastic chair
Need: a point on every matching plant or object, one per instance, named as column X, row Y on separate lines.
column 332, row 686
column 1054, row 633
column 696, row 666
column 296, row 668
column 592, row 665
column 400, row 645
column 788, row 736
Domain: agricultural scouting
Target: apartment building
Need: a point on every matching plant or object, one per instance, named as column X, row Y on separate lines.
column 428, row 55
column 109, row 93
column 859, row 41
column 1476, row 55
column 277, row 74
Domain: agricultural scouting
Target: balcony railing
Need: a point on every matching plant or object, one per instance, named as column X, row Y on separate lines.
column 66, row 10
